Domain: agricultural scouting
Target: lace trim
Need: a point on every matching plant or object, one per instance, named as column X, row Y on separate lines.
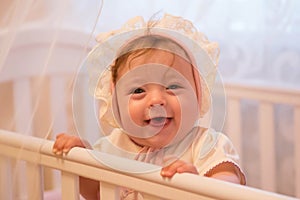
column 173, row 23
column 238, row 171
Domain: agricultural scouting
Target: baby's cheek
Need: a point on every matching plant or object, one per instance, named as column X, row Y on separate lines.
column 135, row 113
column 189, row 110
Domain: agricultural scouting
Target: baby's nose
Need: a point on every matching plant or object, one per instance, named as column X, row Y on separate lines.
column 157, row 98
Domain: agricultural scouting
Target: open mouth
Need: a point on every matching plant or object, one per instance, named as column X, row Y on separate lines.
column 158, row 121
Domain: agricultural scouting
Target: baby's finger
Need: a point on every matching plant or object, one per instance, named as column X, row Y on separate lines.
column 72, row 142
column 60, row 135
column 171, row 169
column 59, row 144
column 58, row 148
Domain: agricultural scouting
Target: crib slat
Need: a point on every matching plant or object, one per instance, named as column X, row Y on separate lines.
column 234, row 123
column 267, row 146
column 6, row 190
column 19, row 179
column 108, row 191
column 6, row 106
column 69, row 186
column 297, row 150
column 58, row 98
column 35, row 184
column 23, row 107
column 41, row 113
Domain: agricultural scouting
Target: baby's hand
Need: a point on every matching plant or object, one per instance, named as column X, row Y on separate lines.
column 178, row 166
column 64, row 143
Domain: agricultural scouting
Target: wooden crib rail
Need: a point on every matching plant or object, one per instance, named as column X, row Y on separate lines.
column 37, row 153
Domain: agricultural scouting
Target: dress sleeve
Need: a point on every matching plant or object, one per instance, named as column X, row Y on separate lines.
column 213, row 149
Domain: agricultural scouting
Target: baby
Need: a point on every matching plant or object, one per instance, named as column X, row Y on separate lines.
column 159, row 94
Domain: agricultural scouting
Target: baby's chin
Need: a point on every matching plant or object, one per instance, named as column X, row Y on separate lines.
column 155, row 141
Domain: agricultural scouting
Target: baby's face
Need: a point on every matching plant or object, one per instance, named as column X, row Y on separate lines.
column 157, row 98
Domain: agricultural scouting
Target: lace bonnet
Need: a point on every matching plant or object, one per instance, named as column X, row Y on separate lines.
column 204, row 53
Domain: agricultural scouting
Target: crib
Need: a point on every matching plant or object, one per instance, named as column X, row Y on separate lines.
column 29, row 169
column 38, row 153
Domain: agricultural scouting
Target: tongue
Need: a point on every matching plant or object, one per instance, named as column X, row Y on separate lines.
column 158, row 121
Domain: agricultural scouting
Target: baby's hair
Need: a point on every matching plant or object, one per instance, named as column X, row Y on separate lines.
column 147, row 44
column 143, row 45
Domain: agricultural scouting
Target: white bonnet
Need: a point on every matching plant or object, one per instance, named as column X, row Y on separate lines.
column 204, row 53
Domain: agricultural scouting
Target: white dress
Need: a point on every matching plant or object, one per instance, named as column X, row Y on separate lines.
column 205, row 148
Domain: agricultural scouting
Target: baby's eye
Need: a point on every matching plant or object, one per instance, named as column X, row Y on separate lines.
column 138, row 91
column 173, row 87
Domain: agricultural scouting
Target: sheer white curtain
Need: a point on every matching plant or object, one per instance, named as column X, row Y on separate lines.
column 259, row 39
